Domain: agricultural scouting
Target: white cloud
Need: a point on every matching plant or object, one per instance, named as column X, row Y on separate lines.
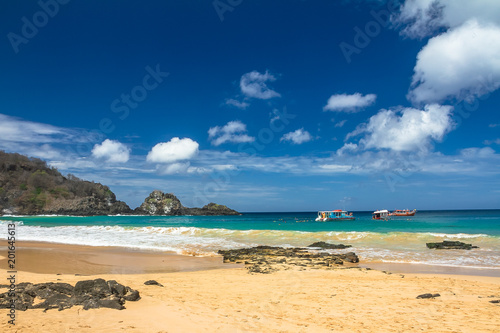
column 461, row 64
column 493, row 125
column 297, row 137
column 474, row 152
column 233, row 131
column 421, row 18
column 173, row 151
column 111, row 151
column 347, row 147
column 253, row 84
column 174, row 168
column 490, row 142
column 340, row 123
column 13, row 129
column 240, row 105
column 407, row 130
column 349, row 103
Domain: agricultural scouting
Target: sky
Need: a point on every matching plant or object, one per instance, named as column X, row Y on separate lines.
column 297, row 105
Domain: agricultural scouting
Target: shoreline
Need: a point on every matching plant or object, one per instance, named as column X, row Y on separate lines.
column 59, row 258
column 48, row 257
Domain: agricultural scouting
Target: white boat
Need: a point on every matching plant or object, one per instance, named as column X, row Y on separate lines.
column 381, row 215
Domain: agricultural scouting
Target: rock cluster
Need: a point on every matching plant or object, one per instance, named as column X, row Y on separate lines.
column 267, row 259
column 91, row 294
column 451, row 245
column 159, row 203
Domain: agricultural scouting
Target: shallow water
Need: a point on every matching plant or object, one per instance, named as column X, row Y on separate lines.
column 400, row 240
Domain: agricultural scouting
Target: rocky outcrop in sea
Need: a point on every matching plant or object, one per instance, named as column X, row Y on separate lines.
column 451, row 245
column 159, row 203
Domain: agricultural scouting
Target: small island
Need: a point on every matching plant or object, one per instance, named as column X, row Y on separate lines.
column 28, row 186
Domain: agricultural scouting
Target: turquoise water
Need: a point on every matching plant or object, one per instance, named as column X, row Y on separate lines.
column 396, row 240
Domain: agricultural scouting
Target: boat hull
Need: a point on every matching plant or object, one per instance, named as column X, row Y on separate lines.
column 403, row 213
column 328, row 219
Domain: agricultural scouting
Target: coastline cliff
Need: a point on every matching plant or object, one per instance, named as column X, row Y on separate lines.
column 28, row 186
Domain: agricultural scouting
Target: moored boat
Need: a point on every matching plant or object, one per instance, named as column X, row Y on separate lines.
column 334, row 215
column 403, row 212
column 380, row 214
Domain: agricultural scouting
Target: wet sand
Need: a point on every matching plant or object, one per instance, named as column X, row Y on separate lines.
column 39, row 257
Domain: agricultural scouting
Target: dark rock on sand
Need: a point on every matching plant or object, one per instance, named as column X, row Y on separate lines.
column 451, row 245
column 153, row 283
column 325, row 245
column 495, row 301
column 268, row 259
column 91, row 294
column 428, row 295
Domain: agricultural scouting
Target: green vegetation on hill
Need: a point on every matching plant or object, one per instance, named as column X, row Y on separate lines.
column 30, row 186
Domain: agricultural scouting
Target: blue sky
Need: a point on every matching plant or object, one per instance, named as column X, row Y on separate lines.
column 262, row 106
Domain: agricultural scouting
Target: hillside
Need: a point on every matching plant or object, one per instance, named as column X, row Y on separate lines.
column 28, row 187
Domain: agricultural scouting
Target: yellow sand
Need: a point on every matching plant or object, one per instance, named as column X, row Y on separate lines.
column 231, row 300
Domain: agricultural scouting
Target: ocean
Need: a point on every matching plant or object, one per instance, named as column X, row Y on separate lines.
column 399, row 240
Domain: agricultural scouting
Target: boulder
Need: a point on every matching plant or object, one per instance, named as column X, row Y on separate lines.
column 325, row 246
column 153, row 283
column 428, row 295
column 451, row 245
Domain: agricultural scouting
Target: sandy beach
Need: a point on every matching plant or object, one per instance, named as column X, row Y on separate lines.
column 199, row 296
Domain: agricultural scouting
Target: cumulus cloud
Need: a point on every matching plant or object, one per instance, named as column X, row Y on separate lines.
column 254, row 85
column 408, row 129
column 349, row 103
column 461, row 64
column 240, row 105
column 297, row 137
column 173, row 151
column 233, row 131
column 347, row 147
column 112, row 151
column 422, row 18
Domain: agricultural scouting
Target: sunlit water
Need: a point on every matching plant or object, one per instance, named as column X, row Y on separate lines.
column 400, row 240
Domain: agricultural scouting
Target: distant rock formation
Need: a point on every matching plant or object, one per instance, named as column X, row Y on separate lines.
column 159, row 203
